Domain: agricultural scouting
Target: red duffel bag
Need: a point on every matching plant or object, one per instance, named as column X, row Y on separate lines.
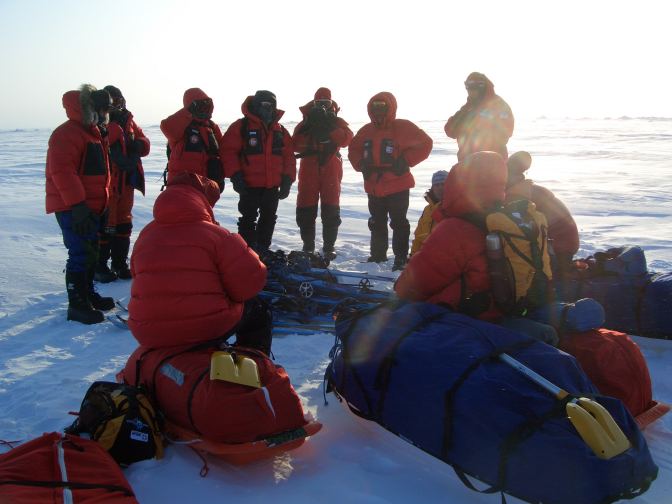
column 614, row 363
column 56, row 468
column 220, row 411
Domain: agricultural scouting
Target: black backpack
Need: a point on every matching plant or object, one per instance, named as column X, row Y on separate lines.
column 122, row 419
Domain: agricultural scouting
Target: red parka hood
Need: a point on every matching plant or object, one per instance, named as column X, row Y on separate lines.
column 245, row 108
column 73, row 109
column 479, row 77
column 192, row 94
column 474, row 186
column 391, row 101
column 181, row 203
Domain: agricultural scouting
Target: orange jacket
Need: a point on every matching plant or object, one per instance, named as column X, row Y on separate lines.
column 264, row 155
column 77, row 162
column 425, row 223
column 320, row 160
column 483, row 126
column 452, row 264
column 192, row 142
column 382, row 144
column 191, row 277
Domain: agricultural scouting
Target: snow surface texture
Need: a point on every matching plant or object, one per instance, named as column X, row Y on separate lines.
column 614, row 175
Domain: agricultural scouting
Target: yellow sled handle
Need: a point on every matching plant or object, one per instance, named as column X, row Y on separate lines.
column 233, row 368
column 591, row 420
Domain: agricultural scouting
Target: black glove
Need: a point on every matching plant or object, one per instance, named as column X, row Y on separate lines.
column 128, row 163
column 135, row 147
column 285, row 186
column 84, row 221
column 399, row 166
column 239, row 184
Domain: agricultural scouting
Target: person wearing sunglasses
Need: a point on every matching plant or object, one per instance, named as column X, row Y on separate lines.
column 317, row 140
column 194, row 138
column 127, row 145
column 77, row 184
column 384, row 150
column 258, row 157
column 485, row 121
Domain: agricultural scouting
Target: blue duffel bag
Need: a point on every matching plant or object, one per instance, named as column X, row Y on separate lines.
column 435, row 378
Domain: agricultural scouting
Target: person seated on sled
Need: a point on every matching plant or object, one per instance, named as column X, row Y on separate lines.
column 433, row 197
column 194, row 281
column 562, row 230
column 451, row 268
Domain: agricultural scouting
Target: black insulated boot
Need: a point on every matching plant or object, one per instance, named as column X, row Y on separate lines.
column 97, row 301
column 80, row 308
column 399, row 263
column 104, row 274
column 120, row 247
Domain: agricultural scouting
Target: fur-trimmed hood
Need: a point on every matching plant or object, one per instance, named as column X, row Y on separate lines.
column 78, row 105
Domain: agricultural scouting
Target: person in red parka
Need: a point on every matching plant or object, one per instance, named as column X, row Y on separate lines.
column 194, row 139
column 317, row 140
column 384, row 150
column 452, row 268
column 484, row 123
column 128, row 144
column 194, row 281
column 562, row 228
column 258, row 157
column 77, row 183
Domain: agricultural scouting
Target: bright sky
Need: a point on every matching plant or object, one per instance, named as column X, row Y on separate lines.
column 572, row 58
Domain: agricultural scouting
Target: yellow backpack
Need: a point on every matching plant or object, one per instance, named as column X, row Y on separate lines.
column 520, row 271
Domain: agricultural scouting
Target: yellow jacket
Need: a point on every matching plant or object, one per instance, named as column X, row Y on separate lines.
column 425, row 224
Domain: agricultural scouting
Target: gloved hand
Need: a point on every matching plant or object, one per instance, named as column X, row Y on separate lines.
column 238, row 181
column 126, row 163
column 399, row 166
column 201, row 109
column 135, row 147
column 285, row 186
column 84, row 221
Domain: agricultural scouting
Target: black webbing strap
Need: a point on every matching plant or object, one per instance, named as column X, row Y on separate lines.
column 75, row 485
column 449, row 397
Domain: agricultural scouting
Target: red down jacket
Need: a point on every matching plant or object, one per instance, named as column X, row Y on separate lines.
column 191, row 277
column 192, row 142
column 77, row 161
column 455, row 251
column 263, row 154
column 385, row 143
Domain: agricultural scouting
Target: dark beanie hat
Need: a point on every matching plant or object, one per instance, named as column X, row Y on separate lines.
column 323, row 94
column 262, row 96
column 115, row 92
column 101, row 99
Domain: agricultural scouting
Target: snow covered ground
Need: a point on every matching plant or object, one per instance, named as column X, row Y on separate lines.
column 614, row 174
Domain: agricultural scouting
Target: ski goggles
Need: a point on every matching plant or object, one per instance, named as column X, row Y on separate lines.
column 379, row 105
column 204, row 106
column 474, row 84
column 326, row 104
